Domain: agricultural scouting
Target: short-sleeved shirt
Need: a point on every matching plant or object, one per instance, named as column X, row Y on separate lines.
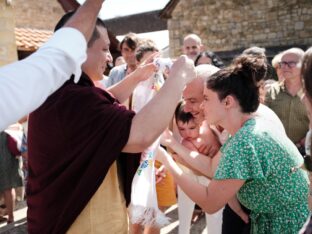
column 74, row 139
column 290, row 110
column 275, row 189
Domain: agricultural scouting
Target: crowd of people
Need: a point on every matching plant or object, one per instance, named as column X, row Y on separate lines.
column 235, row 139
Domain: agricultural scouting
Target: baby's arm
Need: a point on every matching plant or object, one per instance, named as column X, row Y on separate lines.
column 189, row 145
column 236, row 207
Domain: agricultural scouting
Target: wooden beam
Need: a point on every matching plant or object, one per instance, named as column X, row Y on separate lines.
column 138, row 23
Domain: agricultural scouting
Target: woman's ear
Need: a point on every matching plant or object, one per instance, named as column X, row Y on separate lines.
column 230, row 101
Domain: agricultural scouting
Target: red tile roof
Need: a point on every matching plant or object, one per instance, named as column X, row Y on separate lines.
column 31, row 39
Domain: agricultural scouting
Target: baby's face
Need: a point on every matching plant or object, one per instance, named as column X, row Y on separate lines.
column 188, row 131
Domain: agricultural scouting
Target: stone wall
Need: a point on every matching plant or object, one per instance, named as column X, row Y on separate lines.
column 38, row 14
column 7, row 37
column 234, row 25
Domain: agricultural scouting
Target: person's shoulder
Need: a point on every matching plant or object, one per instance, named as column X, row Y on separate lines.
column 118, row 69
column 81, row 94
column 245, row 134
column 265, row 112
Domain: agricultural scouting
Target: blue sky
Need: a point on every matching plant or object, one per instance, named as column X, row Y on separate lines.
column 115, row 8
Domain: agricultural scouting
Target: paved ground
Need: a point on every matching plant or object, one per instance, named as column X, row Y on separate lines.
column 19, row 226
column 172, row 228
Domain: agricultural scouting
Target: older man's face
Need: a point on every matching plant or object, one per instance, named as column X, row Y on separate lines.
column 193, row 97
column 191, row 48
column 290, row 66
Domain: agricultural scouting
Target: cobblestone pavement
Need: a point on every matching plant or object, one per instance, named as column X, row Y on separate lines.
column 20, row 226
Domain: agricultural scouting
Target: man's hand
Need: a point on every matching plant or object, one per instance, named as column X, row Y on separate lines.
column 184, row 69
column 210, row 144
column 144, row 72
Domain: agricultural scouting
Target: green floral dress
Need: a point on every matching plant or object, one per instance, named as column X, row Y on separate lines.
column 276, row 189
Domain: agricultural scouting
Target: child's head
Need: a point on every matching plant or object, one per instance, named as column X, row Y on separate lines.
column 145, row 49
column 188, row 128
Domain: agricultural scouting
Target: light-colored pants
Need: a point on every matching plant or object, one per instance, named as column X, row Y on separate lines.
column 186, row 208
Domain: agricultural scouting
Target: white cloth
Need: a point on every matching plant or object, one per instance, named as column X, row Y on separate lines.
column 144, row 208
column 26, row 84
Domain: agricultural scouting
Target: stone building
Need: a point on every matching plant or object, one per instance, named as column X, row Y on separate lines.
column 229, row 26
column 26, row 25
column 7, row 42
column 37, row 14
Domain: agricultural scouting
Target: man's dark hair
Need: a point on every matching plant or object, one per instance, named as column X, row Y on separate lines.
column 131, row 40
column 95, row 34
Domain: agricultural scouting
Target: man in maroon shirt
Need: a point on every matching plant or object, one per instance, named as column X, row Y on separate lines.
column 76, row 135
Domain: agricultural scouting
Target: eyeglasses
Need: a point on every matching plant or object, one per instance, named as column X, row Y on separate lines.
column 289, row 64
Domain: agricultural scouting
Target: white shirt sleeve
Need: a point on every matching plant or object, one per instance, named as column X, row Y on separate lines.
column 26, row 84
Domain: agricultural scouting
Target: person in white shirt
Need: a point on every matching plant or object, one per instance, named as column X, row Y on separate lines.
column 25, row 85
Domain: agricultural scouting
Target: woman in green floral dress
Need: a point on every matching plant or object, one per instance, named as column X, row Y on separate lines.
column 259, row 164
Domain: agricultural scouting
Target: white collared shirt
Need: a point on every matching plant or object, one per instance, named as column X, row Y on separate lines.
column 26, row 84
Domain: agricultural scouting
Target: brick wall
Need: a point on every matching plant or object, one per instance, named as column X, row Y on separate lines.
column 7, row 38
column 232, row 25
column 39, row 14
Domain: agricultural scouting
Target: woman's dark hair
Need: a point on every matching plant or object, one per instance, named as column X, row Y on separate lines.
column 241, row 80
column 95, row 35
column 306, row 72
column 215, row 59
column 181, row 115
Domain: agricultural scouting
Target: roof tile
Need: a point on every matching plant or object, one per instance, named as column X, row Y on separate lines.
column 28, row 39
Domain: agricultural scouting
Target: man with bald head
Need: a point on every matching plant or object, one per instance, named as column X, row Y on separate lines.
column 193, row 92
column 192, row 46
column 193, row 97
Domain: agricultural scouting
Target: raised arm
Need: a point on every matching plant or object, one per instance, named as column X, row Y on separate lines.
column 152, row 120
column 85, row 17
column 25, row 85
column 123, row 89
